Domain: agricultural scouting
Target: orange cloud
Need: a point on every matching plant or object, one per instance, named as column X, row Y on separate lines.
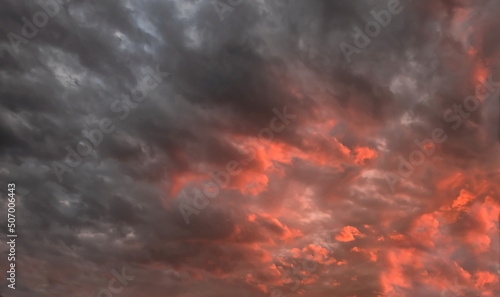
column 348, row 233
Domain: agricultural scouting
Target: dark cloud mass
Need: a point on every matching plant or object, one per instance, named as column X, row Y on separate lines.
column 233, row 140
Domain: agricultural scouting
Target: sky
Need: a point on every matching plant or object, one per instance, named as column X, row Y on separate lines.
column 212, row 148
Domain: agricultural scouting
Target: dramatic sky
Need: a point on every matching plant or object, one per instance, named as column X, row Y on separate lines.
column 264, row 149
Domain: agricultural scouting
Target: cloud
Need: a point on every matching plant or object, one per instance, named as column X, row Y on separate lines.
column 317, row 190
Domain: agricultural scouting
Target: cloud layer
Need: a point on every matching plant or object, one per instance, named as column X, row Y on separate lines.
column 259, row 159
